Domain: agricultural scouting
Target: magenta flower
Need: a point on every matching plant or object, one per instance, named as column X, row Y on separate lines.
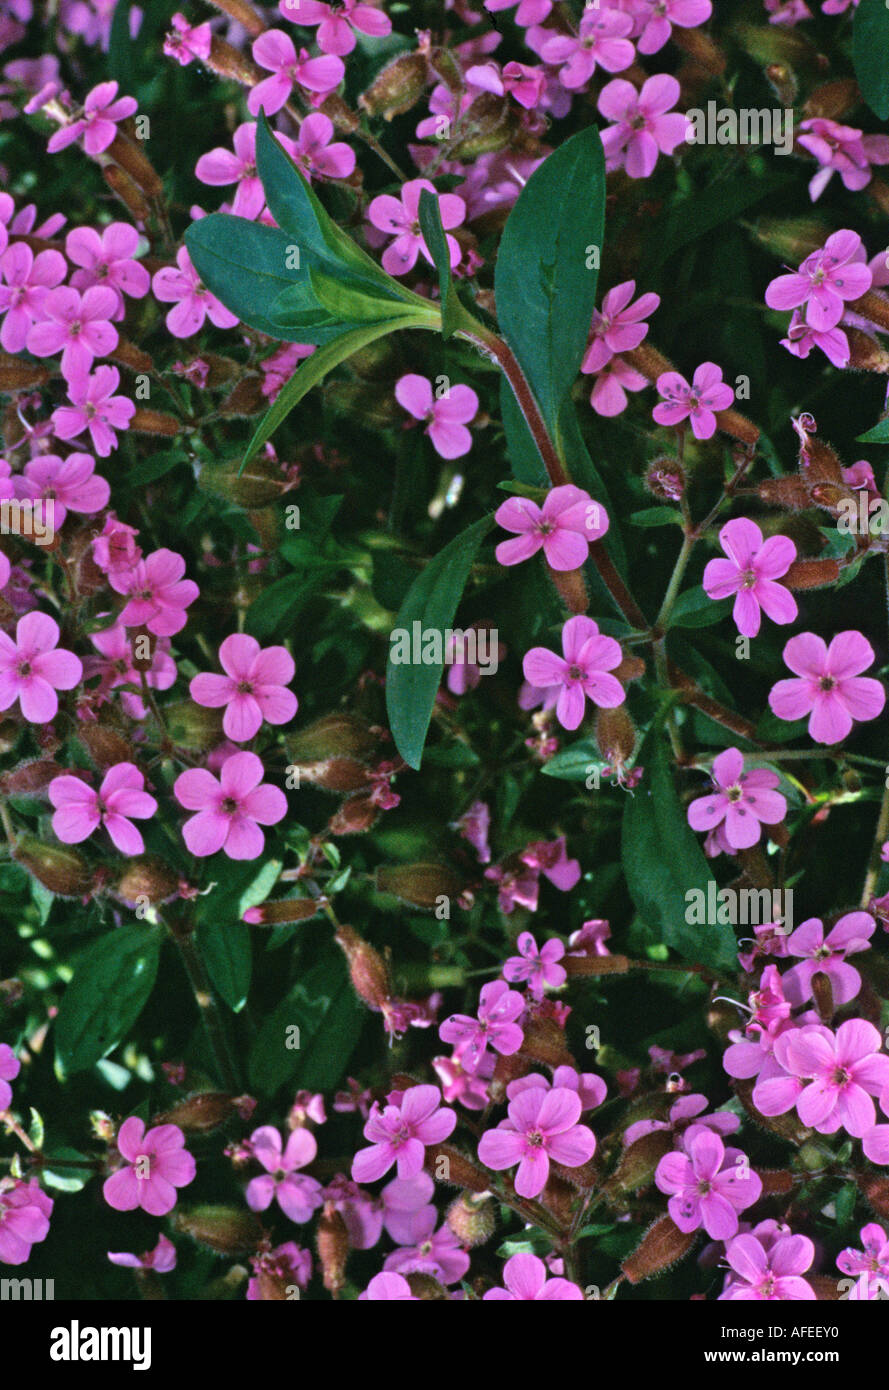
column 252, row 689
column 63, row 485
column 542, row 1126
column 872, row 1259
column 98, row 124
column 161, row 1259
column 423, row 1250
column 274, row 51
column 750, row 572
column 297, row 1195
column 644, row 124
column 78, row 326
column 707, row 394
column 742, row 802
column 122, row 797
column 96, row 408
column 619, row 325
column 34, row 667
column 843, row 150
column 708, row 1184
column 192, row 301
column 219, row 167
column 25, row 1210
column 609, row 394
column 115, row 665
column 843, row 1071
column 108, row 259
column 29, row 279
column 529, row 11
column 447, row 415
column 769, row 1276
column 582, row 671
column 231, row 810
column 287, row 1263
column 184, row 42
column 526, row 84
column 314, row 153
column 400, row 1131
column 10, row 1066
column 657, row 18
column 156, row 592
column 801, row 338
column 825, row 282
column 828, row 685
column 684, row 1112
column 495, row 1026
column 337, row 23
column 400, row 218
column 563, row 528
column 157, row 1162
column 538, row 968
column 525, row 1277
column 601, row 42
column 826, row 955
column 550, row 858
column 388, row 1288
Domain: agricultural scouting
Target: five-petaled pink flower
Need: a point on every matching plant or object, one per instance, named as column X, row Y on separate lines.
column 539, row 967
column 96, row 408
column 157, row 1162
column 25, row 1210
column 400, row 1131
column 563, row 528
column 708, row 1184
column 499, row 1007
column 98, row 125
column 296, row 1193
column 78, row 326
column 192, row 302
column 750, row 572
column 825, row 282
column 220, row 166
column 230, row 810
column 829, row 686
column 29, row 279
column 582, row 670
column 644, row 125
column 619, row 325
column 157, row 593
column 57, row 486
column 316, row 155
column 253, row 688
column 601, row 41
column 80, row 809
column 742, row 802
column 34, row 667
column 768, row 1276
column 541, row 1126
column 185, row 42
column 525, row 1277
column 10, row 1066
column 275, row 52
column 447, row 415
column 657, row 18
column 337, row 23
column 108, row 259
column 707, row 394
column 843, row 1071
column 826, row 955
column 400, row 217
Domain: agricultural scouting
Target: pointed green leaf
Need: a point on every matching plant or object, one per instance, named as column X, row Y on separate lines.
column 870, row 54
column 349, row 302
column 112, row 981
column 434, row 236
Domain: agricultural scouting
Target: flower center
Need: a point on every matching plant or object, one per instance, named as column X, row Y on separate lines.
column 229, row 805
column 826, row 683
column 576, row 673
column 841, row 1077
column 748, row 579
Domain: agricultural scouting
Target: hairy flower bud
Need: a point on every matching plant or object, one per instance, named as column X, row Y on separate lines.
column 30, row 778
column 420, row 885
column 640, row 1159
column 334, row 735
column 332, row 1244
column 662, row 1245
column 811, row 574
column 274, row 914
column 545, row 1042
column 334, row 774
column 448, row 1165
column 261, row 482
column 16, row 375
column 193, row 726
column 205, row 1111
column 397, row 87
column 105, row 746
column 227, row 1230
column 146, row 877
column 58, row 867
column 472, row 1219
column 367, row 969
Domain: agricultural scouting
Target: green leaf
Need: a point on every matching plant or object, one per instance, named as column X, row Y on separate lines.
column 575, row 762
column 663, row 862
column 329, row 1017
column 347, row 301
column 226, row 947
column 880, row 432
column 695, row 609
column 436, row 241
column 432, row 602
column 656, row 516
column 112, row 981
column 870, row 54
column 546, row 272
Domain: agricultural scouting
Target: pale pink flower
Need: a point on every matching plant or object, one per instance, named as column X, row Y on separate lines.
column 601, row 42
column 708, row 1184
column 684, row 1112
column 619, row 326
column 185, row 42
column 296, row 1193
column 253, row 688
column 841, row 149
column 583, row 670
column 156, row 591
column 275, row 52
column 34, row 667
column 230, row 810
column 750, row 572
column 10, row 1066
column 644, row 126
column 609, row 394
column 314, row 153
column 115, row 548
column 423, row 1250
column 388, row 1288
column 25, row 1210
column 161, row 1259
column 474, row 825
column 192, row 302
column 563, row 528
column 741, row 801
column 98, row 125
column 78, row 326
column 400, row 1131
column 825, row 282
column 829, row 686
column 657, row 17
column 157, row 1162
column 541, row 1126
column 29, row 279
column 538, row 967
column 80, row 809
column 220, row 166
column 550, row 858
column 872, row 1260
column 827, row 955
column 96, row 408
column 802, row 337
column 842, row 1072
column 707, row 394
column 529, row 11
column 70, row 484
column 525, row 84
column 337, row 23
column 769, row 1276
column 400, row 218
column 525, row 1278
column 447, row 415
column 108, row 259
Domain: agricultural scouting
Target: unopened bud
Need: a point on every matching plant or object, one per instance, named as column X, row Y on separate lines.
column 30, row 778
column 334, row 774
column 132, row 197
column 448, row 1165
column 354, row 817
column 811, row 574
column 420, row 885
column 105, row 746
column 865, row 353
column 640, row 1159
column 472, row 1219
column 367, row 969
column 397, row 87
column 334, row 735
column 147, row 877
column 662, row 1246
column 615, row 734
column 155, row 422
column 59, row 868
column 275, row 914
column 665, row 478
column 205, row 1111
column 261, row 482
column 427, row 1289
column 833, row 99
column 192, row 726
column 132, row 159
column 227, row 1230
column 876, row 1192
column 332, row 1244
column 545, row 1042
column 790, row 493
column 16, row 375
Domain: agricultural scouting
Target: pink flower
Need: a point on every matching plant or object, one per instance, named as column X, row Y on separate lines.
column 447, row 415
column 658, row 16
column 842, row 1073
column 288, row 1264
column 63, row 485
column 742, row 801
column 542, row 1126
column 336, row 23
column 161, row 1259
column 826, row 955
column 96, row 408
column 841, row 149
column 538, row 967
column 192, row 301
column 33, row 668
column 98, row 124
column 590, row 1088
column 707, row 394
column 388, row 1288
column 108, row 259
column 157, row 593
column 400, row 1132
column 115, row 664
column 274, row 51
column 872, row 1259
column 219, row 167
column 400, row 218
column 524, row 83
column 801, row 338
column 252, row 689
column 297, row 1195
column 750, row 572
column 529, row 11
column 582, row 671
column 25, row 1210
column 314, row 153
column 474, row 825
column 514, row 886
column 609, row 394
column 825, row 282
column 525, row 1277
column 157, row 1162
column 29, row 279
column 231, row 810
column 684, row 1112
column 829, row 686
column 80, row 809
column 601, row 41
column 618, row 326
column 563, row 528
column 769, row 1276
column 185, row 43
column 550, row 857
column 115, row 548
column 10, row 1067
column 78, row 326
column 642, row 128
column 496, row 1027
column 708, row 1183
column 427, row 1251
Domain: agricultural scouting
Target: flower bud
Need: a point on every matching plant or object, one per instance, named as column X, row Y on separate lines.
column 59, row 868
column 472, row 1219
column 334, row 735
column 30, row 778
column 148, row 876
column 261, row 482
column 665, row 478
column 227, row 61
column 811, row 574
column 193, row 726
column 420, row 885
column 545, row 1042
column 275, row 914
column 227, row 1230
column 448, row 1165
column 16, row 375
column 640, row 1159
column 105, row 746
column 332, row 1244
column 334, row 774
column 354, row 817
column 130, row 157
column 865, row 353
column 127, row 191
column 615, row 734
column 397, row 87
column 833, row 100
column 367, row 969
column 156, row 422
column 242, row 14
column 205, row 1111
column 662, row 1245
column 876, row 1192
column 596, row 965
column 427, row 1289
column 244, row 400
column 790, row 493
